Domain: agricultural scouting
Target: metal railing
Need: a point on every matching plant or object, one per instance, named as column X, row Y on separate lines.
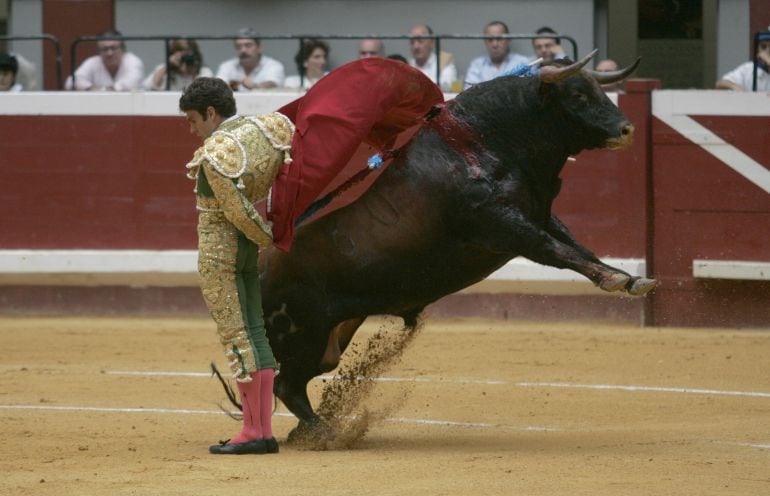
column 302, row 37
column 763, row 34
column 43, row 37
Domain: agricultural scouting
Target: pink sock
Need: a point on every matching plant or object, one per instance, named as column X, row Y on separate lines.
column 252, row 425
column 266, row 378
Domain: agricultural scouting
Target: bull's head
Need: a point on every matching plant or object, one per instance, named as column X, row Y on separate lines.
column 576, row 92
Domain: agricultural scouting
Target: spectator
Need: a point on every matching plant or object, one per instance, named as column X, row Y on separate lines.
column 609, row 65
column 370, row 47
column 27, row 73
column 113, row 69
column 741, row 78
column 9, row 66
column 251, row 69
column 498, row 60
column 311, row 64
column 549, row 48
column 185, row 63
column 424, row 57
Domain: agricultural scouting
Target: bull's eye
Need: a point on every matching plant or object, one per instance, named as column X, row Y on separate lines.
column 580, row 97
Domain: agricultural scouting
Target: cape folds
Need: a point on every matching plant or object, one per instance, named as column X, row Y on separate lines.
column 368, row 101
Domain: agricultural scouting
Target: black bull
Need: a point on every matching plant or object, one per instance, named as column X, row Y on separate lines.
column 472, row 190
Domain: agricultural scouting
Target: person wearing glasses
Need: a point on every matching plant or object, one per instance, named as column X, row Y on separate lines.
column 424, row 58
column 370, row 47
column 113, row 69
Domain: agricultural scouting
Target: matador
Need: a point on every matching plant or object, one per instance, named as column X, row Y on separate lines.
column 234, row 169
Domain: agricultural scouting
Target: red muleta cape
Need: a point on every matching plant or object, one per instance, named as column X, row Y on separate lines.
column 369, row 101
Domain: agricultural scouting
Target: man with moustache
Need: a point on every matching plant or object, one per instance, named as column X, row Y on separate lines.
column 251, row 70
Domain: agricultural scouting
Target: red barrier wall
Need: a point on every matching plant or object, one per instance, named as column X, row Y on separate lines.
column 75, row 178
column 704, row 209
column 97, row 182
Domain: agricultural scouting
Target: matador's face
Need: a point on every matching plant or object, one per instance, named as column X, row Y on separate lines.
column 203, row 125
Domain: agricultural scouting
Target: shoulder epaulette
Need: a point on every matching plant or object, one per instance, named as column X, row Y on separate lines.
column 225, row 154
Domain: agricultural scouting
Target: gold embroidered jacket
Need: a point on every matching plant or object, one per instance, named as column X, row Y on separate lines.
column 236, row 166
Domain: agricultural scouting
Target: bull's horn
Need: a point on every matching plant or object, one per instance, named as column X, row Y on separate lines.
column 554, row 73
column 613, row 76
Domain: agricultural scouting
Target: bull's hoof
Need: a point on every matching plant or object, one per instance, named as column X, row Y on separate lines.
column 311, row 435
column 615, row 282
column 641, row 285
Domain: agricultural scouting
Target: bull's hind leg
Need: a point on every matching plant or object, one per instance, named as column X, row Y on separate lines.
column 291, row 389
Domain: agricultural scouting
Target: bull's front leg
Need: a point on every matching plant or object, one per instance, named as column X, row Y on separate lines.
column 557, row 249
column 635, row 285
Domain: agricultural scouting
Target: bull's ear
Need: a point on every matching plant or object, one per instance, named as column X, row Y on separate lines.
column 609, row 77
column 554, row 74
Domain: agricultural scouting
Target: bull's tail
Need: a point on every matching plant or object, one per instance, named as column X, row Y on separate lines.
column 230, row 392
column 228, row 388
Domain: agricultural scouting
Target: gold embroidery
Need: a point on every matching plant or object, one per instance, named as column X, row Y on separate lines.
column 217, row 250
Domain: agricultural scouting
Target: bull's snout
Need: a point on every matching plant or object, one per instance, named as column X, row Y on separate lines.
column 625, row 139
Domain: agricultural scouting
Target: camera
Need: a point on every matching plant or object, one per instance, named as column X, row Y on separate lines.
column 188, row 59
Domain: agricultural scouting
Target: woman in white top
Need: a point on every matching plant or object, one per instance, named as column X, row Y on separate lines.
column 186, row 63
column 311, row 64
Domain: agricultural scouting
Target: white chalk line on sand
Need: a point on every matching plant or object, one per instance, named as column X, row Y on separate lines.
column 398, row 420
column 178, row 411
column 427, row 379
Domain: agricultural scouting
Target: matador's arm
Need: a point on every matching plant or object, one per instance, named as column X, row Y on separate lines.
column 237, row 208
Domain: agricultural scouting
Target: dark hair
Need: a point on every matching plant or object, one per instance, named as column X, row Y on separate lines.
column 547, row 30
column 498, row 23
column 193, row 59
column 397, row 56
column 205, row 92
column 9, row 62
column 249, row 33
column 113, row 34
column 307, row 49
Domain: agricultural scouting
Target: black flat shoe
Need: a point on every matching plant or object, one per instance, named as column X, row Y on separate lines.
column 256, row 447
column 271, row 444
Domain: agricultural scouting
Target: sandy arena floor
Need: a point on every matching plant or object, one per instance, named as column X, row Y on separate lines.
column 474, row 407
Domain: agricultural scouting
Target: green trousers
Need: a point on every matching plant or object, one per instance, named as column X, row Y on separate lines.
column 229, row 278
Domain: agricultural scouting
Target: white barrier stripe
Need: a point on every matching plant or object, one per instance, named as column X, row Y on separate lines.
column 429, row 379
column 716, row 146
column 181, row 262
column 657, row 389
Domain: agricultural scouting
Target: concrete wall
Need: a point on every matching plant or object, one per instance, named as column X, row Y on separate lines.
column 732, row 35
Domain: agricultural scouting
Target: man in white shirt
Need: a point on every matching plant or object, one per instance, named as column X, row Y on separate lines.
column 251, row 69
column 498, row 60
column 424, row 57
column 370, row 47
column 742, row 77
column 113, row 69
column 549, row 47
